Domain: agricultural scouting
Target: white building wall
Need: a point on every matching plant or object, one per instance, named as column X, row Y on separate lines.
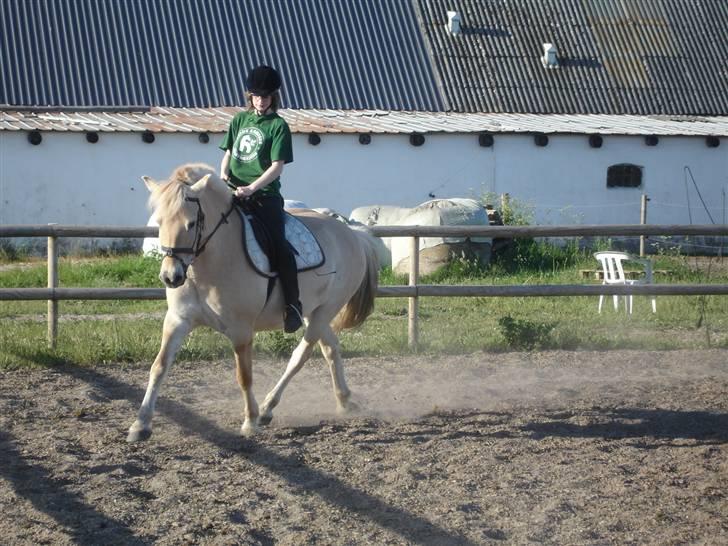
column 66, row 180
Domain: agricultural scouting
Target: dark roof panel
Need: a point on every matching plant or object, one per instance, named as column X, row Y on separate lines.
column 616, row 57
column 636, row 57
column 331, row 53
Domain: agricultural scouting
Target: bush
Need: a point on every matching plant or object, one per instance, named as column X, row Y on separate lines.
column 12, row 253
column 533, row 255
column 525, row 334
column 456, row 271
column 276, row 343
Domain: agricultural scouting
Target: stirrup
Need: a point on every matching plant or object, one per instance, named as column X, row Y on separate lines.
column 293, row 319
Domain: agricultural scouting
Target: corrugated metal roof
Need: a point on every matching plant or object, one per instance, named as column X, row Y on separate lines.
column 190, row 120
column 615, row 56
column 189, row 53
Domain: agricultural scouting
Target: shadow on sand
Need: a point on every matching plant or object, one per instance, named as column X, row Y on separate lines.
column 51, row 496
column 702, row 427
column 333, row 491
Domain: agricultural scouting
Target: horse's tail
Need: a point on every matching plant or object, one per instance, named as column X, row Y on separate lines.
column 361, row 303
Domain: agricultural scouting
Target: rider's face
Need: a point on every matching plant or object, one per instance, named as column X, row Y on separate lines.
column 261, row 103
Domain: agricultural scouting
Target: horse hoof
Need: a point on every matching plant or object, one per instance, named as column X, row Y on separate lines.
column 138, row 435
column 348, row 408
column 264, row 420
column 248, row 430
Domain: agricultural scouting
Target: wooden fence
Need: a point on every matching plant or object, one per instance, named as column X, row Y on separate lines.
column 413, row 291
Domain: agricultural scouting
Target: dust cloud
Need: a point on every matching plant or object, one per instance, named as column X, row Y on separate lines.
column 408, row 387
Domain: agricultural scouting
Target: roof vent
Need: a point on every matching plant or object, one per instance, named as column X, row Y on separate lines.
column 550, row 59
column 453, row 22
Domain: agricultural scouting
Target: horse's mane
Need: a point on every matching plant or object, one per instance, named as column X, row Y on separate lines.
column 168, row 197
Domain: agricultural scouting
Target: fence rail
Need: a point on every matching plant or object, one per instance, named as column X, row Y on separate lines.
column 507, row 232
column 495, row 232
column 413, row 291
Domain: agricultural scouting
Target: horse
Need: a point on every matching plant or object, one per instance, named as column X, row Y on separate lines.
column 209, row 281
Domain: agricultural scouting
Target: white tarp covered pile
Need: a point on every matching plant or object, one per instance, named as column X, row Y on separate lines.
column 438, row 212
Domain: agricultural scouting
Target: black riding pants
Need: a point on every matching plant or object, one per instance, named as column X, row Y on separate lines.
column 269, row 210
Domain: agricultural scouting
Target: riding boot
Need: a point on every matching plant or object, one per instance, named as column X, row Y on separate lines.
column 293, row 318
column 293, row 314
column 270, row 212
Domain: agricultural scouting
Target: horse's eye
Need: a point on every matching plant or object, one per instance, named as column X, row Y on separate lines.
column 190, row 225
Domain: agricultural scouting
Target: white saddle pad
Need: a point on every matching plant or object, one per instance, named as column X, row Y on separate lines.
column 308, row 251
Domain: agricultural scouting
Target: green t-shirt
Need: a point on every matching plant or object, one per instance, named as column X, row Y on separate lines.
column 255, row 142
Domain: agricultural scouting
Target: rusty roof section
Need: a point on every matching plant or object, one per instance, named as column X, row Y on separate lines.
column 216, row 120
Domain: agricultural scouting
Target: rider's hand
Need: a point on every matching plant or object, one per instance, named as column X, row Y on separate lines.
column 243, row 192
column 225, row 177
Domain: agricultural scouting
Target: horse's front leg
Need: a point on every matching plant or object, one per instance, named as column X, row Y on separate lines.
column 244, row 373
column 298, row 359
column 174, row 331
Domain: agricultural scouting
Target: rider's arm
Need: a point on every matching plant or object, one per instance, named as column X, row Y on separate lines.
column 225, row 166
column 270, row 174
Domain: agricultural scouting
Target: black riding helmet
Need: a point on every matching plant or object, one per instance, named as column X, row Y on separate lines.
column 263, row 80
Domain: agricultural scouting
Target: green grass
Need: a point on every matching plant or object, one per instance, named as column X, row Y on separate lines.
column 93, row 332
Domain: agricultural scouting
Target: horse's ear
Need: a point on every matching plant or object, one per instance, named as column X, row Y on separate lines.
column 149, row 183
column 201, row 183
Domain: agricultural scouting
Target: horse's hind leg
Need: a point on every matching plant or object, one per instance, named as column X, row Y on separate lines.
column 299, row 357
column 174, row 331
column 329, row 344
column 244, row 372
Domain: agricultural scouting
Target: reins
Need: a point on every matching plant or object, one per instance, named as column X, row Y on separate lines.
column 199, row 244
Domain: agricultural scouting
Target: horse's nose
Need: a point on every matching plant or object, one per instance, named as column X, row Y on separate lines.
column 172, row 273
column 172, row 281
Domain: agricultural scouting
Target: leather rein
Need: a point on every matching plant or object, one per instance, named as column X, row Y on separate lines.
column 199, row 244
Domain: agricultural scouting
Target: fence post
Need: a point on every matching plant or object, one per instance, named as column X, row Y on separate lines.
column 643, row 221
column 414, row 272
column 52, row 284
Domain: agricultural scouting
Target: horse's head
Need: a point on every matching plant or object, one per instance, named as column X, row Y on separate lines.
column 180, row 205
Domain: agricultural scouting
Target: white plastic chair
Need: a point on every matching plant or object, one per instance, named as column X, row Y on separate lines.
column 613, row 272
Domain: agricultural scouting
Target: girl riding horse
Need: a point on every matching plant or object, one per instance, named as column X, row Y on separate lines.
column 257, row 146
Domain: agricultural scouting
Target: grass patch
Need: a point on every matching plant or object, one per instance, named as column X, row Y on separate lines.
column 93, row 332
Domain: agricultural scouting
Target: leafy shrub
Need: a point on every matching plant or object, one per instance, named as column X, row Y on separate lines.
column 528, row 254
column 277, row 343
column 455, row 271
column 388, row 277
column 513, row 212
column 525, row 334
column 533, row 255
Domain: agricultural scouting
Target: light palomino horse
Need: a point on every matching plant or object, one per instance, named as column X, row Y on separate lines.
column 210, row 282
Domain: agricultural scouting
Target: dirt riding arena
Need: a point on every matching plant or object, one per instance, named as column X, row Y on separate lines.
column 616, row 447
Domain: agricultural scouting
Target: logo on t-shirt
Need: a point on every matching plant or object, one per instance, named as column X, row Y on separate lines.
column 248, row 143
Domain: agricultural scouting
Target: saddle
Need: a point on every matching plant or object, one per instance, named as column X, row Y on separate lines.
column 257, row 243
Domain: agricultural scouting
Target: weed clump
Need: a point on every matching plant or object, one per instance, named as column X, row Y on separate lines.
column 276, row 343
column 525, row 334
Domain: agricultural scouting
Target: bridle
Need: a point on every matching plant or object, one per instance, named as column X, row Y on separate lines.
column 199, row 244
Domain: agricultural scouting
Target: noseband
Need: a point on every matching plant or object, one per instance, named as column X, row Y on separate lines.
column 199, row 244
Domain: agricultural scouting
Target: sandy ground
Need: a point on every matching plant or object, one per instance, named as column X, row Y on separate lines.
column 619, row 447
